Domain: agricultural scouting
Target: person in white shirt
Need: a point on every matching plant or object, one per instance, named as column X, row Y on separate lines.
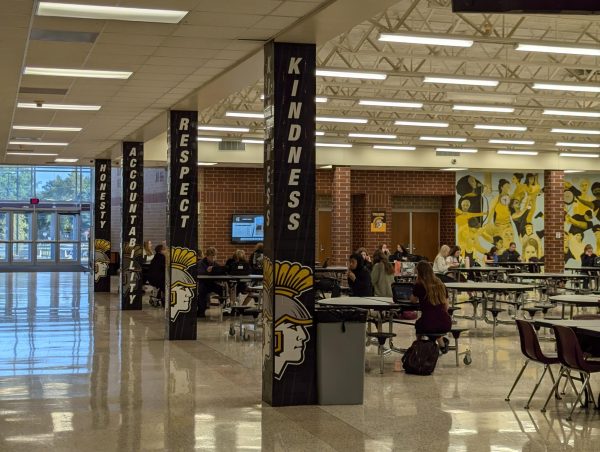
column 441, row 265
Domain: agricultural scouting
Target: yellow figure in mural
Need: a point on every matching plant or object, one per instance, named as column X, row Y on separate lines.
column 533, row 189
column 584, row 200
column 499, row 218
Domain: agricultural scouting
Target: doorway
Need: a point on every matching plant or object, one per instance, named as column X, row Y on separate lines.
column 324, row 235
column 419, row 230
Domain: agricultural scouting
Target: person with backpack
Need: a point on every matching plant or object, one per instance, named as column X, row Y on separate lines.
column 432, row 295
column 382, row 275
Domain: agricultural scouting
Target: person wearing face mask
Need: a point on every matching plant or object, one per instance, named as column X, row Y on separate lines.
column 359, row 279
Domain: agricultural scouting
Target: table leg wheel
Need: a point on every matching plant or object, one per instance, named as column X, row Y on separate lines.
column 467, row 359
column 231, row 330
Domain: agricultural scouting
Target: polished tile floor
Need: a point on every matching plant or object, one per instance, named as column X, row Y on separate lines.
column 79, row 375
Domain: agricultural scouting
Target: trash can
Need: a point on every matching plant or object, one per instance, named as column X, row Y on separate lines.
column 341, row 356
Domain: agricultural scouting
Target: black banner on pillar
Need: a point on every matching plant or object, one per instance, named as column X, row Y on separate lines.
column 101, row 225
column 289, row 352
column 132, row 228
column 182, row 272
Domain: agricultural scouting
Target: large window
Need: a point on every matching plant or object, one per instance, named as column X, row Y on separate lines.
column 48, row 183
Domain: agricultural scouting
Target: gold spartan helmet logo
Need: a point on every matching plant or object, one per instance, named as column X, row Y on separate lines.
column 181, row 260
column 292, row 279
column 137, row 251
column 102, row 246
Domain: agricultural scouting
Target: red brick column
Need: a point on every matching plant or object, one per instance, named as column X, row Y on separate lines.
column 341, row 218
column 448, row 221
column 554, row 221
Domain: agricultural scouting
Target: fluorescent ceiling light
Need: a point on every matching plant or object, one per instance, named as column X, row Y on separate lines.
column 372, row 135
column 421, row 124
column 348, row 120
column 511, row 152
column 85, row 73
column 390, row 103
column 569, row 154
column 244, row 114
column 394, row 147
column 567, row 50
column 466, row 151
column 495, row 127
column 63, row 160
column 35, row 154
column 454, row 169
column 167, row 16
column 573, row 171
column 59, row 106
column 207, row 163
column 460, row 81
column 327, row 167
column 583, row 114
column 521, row 142
column 576, row 131
column 483, row 108
column 217, row 140
column 351, row 74
column 448, row 139
column 224, row 129
column 333, row 145
column 321, row 100
column 48, row 128
column 252, row 141
column 425, row 40
column 319, row 133
column 36, row 143
column 577, row 145
column 559, row 87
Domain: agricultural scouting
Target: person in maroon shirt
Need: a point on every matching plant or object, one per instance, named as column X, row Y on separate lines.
column 431, row 294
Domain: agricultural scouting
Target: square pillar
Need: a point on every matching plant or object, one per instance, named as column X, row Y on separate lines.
column 341, row 221
column 289, row 345
column 554, row 221
column 101, row 225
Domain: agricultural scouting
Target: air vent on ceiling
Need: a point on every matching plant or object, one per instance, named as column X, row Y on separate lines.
column 447, row 154
column 49, row 91
column 39, row 34
column 231, row 146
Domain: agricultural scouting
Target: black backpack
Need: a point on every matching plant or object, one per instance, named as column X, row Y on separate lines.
column 421, row 357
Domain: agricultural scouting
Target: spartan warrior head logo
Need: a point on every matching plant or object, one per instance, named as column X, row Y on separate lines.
column 183, row 285
column 101, row 259
column 289, row 281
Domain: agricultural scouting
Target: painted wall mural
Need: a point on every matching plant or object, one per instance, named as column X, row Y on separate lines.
column 582, row 215
column 495, row 209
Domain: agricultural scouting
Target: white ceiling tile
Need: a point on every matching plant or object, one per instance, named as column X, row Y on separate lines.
column 193, row 31
column 276, row 22
column 229, row 19
column 295, row 9
column 239, row 6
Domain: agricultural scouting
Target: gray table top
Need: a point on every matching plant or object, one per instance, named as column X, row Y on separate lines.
column 489, row 286
column 586, row 269
column 479, row 269
column 549, row 275
column 580, row 300
column 569, row 323
column 360, row 302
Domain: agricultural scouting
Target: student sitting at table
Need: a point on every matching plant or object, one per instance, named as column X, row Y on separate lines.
column 431, row 294
column 208, row 266
column 366, row 258
column 382, row 275
column 237, row 265
column 156, row 272
column 256, row 259
column 148, row 252
column 511, row 254
column 588, row 259
column 401, row 254
column 491, row 257
column 359, row 279
column 441, row 265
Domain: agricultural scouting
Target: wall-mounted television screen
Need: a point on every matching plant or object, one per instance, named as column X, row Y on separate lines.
column 247, row 228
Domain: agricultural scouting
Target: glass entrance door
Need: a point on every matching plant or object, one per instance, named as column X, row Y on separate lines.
column 22, row 233
column 46, row 237
column 68, row 237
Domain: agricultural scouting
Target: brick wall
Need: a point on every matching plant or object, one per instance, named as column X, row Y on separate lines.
column 341, row 230
column 417, row 202
column 359, row 218
column 554, row 220
column 447, row 221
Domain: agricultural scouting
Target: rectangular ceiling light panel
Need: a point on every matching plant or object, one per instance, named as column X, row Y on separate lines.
column 48, row 128
column 390, row 103
column 460, row 81
column 351, row 74
column 59, row 106
column 432, row 40
column 483, row 108
column 565, row 50
column 78, row 11
column 85, row 73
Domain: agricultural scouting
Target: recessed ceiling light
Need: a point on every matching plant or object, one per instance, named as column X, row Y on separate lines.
column 454, row 169
column 448, row 139
column 518, row 142
column 577, row 145
column 217, row 140
column 224, row 129
column 207, row 163
column 570, row 154
column 85, row 73
column 347, row 120
column 466, row 151
column 326, row 167
column 562, row 49
column 59, row 106
column 583, row 114
column 511, row 152
column 351, row 74
column 372, row 135
column 394, row 147
column 319, row 133
column 252, row 141
column 333, row 145
column 576, row 131
column 167, row 16
column 483, row 108
column 36, row 143
column 321, row 100
column 390, row 103
column 560, row 87
column 35, row 154
column 244, row 114
column 433, row 40
column 499, row 127
column 573, row 171
column 64, row 160
column 421, row 124
column 460, row 81
column 48, row 128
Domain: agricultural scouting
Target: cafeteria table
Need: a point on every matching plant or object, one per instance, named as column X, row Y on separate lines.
column 593, row 272
column 484, row 272
column 230, row 282
column 574, row 300
column 528, row 265
column 550, row 279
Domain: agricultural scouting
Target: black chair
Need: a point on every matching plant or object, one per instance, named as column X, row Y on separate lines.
column 325, row 285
